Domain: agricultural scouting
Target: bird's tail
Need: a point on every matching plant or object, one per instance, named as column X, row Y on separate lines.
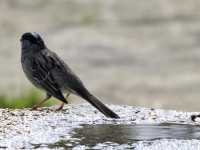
column 100, row 106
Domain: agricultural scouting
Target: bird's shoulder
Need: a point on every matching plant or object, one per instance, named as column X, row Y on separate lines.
column 56, row 62
column 53, row 58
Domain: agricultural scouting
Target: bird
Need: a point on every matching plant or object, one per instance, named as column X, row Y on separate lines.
column 49, row 73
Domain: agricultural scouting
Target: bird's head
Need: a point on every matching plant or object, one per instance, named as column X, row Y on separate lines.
column 33, row 41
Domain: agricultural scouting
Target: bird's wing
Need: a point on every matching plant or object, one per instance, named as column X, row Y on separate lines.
column 41, row 73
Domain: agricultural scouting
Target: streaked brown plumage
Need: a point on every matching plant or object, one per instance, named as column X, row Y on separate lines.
column 48, row 72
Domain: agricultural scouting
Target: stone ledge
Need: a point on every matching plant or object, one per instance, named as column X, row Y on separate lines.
column 75, row 126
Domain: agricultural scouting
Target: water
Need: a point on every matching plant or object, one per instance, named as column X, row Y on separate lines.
column 90, row 135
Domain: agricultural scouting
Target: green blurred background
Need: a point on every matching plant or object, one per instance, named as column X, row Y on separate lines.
column 134, row 52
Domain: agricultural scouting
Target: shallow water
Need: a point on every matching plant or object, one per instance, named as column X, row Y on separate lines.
column 104, row 135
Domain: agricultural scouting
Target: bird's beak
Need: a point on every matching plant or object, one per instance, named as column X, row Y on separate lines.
column 20, row 40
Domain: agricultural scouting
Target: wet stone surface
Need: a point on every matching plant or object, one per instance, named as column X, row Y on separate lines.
column 82, row 127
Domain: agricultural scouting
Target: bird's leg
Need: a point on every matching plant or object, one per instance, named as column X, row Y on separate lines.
column 36, row 106
column 61, row 106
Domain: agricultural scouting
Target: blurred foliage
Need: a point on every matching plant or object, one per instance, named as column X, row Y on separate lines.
column 88, row 19
column 26, row 99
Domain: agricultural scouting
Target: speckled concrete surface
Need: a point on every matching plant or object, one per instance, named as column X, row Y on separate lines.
column 82, row 126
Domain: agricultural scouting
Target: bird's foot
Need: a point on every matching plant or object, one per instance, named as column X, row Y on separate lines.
column 59, row 108
column 35, row 109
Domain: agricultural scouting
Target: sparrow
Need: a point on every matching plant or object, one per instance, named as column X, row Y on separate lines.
column 49, row 73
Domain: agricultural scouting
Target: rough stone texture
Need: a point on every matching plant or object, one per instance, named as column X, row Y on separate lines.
column 82, row 126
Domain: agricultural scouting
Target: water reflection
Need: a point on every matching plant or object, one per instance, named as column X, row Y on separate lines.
column 121, row 134
column 90, row 135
